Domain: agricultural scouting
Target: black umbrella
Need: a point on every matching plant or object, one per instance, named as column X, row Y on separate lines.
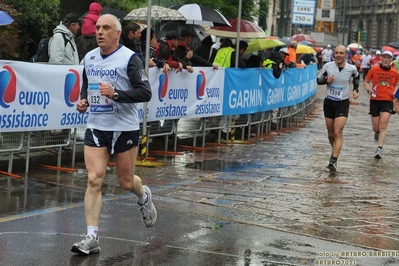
column 394, row 45
column 201, row 15
column 162, row 27
column 107, row 10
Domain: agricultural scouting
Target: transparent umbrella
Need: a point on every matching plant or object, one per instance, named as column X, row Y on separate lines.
column 157, row 13
column 355, row 45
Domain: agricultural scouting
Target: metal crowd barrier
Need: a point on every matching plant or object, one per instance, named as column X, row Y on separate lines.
column 11, row 142
column 252, row 125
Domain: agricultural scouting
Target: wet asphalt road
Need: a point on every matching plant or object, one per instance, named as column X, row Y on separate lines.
column 271, row 202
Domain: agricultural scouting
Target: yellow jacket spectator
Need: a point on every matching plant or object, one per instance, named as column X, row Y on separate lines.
column 275, row 62
column 225, row 56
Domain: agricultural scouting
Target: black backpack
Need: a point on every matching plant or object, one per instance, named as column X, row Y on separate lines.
column 42, row 49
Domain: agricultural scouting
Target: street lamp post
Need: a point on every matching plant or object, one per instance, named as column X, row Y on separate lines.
column 282, row 13
column 344, row 24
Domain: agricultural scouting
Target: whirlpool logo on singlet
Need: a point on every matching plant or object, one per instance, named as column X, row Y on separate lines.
column 71, row 88
column 8, row 86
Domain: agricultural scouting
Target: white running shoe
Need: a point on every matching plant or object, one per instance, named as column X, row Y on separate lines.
column 148, row 211
column 89, row 245
column 378, row 153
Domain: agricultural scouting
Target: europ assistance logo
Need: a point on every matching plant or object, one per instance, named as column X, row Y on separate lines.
column 8, row 87
column 72, row 88
column 164, row 80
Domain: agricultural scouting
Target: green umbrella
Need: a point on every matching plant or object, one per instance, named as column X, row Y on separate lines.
column 262, row 44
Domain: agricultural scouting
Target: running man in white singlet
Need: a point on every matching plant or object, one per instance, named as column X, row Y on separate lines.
column 337, row 75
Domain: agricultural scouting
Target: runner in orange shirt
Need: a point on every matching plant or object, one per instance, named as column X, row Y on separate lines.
column 385, row 82
column 356, row 60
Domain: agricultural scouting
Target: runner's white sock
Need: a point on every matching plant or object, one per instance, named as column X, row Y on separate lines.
column 143, row 199
column 92, row 230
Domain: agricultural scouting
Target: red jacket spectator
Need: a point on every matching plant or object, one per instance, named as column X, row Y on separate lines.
column 164, row 50
column 90, row 20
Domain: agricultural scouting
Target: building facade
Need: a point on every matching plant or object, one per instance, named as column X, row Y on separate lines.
column 378, row 20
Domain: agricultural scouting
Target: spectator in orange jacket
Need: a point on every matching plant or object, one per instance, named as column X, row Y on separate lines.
column 292, row 54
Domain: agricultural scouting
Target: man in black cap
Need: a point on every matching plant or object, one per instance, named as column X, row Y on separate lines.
column 164, row 51
column 184, row 53
column 62, row 48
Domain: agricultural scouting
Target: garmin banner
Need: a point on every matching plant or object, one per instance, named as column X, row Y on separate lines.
column 44, row 97
column 255, row 90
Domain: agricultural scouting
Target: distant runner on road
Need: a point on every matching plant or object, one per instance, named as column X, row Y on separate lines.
column 385, row 82
column 337, row 75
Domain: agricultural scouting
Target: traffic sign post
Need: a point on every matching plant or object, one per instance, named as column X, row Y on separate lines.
column 354, row 35
column 303, row 12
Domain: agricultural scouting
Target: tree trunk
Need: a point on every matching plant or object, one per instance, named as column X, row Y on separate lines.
column 74, row 6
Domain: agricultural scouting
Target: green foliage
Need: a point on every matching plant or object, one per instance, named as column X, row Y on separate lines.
column 36, row 20
column 125, row 5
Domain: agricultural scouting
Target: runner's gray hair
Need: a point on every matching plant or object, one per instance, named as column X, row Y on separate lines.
column 118, row 25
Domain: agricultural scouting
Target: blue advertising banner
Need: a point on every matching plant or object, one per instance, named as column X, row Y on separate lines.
column 249, row 91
